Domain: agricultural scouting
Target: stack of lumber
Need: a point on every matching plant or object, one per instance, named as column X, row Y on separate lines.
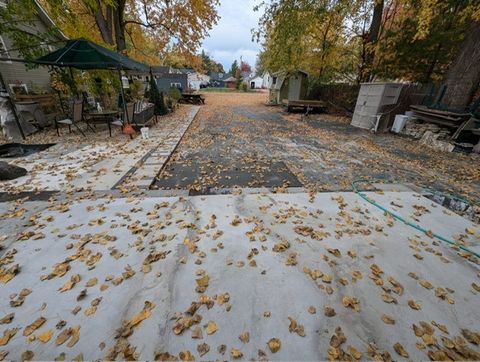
column 457, row 122
column 443, row 118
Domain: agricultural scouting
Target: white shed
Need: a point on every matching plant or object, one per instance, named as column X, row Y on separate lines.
column 255, row 82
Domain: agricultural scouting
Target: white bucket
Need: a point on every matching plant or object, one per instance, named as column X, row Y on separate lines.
column 399, row 123
column 144, row 131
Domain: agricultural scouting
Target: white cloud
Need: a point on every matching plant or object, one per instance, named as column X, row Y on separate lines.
column 232, row 37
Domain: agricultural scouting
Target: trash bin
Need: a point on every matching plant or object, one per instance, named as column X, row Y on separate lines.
column 399, row 123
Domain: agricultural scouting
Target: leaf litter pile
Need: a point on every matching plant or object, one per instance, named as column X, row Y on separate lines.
column 233, row 277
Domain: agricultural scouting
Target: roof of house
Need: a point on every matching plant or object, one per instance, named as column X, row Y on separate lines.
column 284, row 73
column 231, row 79
column 43, row 15
column 186, row 70
column 160, row 69
column 255, row 77
column 179, row 76
column 219, row 76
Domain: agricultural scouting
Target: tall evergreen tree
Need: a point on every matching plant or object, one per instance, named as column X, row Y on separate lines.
column 156, row 98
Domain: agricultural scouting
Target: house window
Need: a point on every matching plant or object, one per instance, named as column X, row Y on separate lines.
column 176, row 85
column 19, row 88
column 274, row 80
column 4, row 51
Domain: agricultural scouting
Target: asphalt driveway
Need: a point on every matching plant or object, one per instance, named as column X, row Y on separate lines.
column 236, row 140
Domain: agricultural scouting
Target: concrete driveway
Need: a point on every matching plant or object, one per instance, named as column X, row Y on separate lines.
column 272, row 269
column 218, row 277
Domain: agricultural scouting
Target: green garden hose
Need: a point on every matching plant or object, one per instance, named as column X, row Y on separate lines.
column 409, row 223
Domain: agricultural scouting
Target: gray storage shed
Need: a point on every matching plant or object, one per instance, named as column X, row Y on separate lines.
column 371, row 99
column 290, row 86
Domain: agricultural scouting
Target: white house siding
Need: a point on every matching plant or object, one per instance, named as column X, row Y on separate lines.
column 267, row 81
column 257, row 83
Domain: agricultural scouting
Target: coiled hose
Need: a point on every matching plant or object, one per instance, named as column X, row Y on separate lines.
column 407, row 222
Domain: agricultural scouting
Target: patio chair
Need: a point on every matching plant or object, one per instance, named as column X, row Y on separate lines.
column 76, row 116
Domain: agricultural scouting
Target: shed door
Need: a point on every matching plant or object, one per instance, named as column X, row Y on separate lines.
column 294, row 88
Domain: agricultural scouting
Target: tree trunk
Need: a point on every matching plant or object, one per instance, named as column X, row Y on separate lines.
column 463, row 76
column 324, row 46
column 119, row 23
column 431, row 67
column 370, row 40
column 103, row 24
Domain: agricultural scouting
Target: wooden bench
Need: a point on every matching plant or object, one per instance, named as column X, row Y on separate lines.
column 306, row 105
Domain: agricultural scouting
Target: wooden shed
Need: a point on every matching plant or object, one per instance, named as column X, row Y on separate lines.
column 231, row 82
column 291, row 86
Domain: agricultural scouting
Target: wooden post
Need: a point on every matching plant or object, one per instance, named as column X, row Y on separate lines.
column 123, row 96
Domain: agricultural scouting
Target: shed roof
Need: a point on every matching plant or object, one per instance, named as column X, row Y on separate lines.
column 219, row 76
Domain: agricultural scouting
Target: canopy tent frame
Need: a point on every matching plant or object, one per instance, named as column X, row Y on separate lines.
column 85, row 55
column 76, row 53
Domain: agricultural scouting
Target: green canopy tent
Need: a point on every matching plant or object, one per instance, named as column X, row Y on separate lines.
column 84, row 54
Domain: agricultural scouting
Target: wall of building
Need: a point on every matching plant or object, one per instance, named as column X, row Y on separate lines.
column 257, row 83
column 35, row 80
column 165, row 81
column 231, row 84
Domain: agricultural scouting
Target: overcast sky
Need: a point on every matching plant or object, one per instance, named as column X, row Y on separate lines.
column 232, row 37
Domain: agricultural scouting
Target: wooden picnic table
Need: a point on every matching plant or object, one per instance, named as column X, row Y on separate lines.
column 192, row 98
column 105, row 116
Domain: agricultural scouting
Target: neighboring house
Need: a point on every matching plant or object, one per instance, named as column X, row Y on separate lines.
column 292, row 86
column 218, row 79
column 163, row 69
column 267, row 80
column 16, row 75
column 165, row 81
column 157, row 70
column 231, row 82
column 255, row 82
column 247, row 75
column 195, row 80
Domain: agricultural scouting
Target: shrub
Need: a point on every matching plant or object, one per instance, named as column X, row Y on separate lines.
column 244, row 86
column 239, row 81
column 135, row 88
column 174, row 93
